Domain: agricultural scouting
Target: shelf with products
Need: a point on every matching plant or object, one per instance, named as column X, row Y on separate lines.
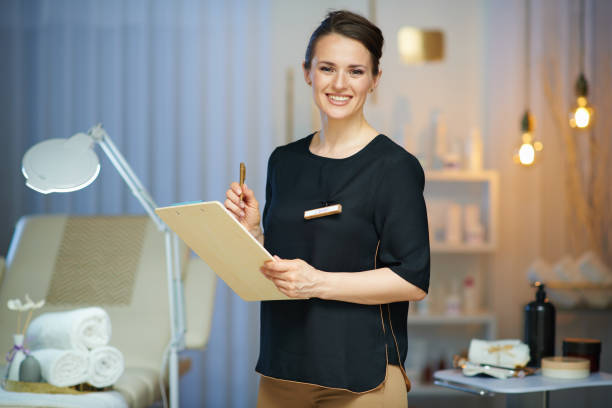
column 462, row 207
column 463, row 219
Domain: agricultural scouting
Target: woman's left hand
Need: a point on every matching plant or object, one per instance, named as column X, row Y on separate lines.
column 294, row 277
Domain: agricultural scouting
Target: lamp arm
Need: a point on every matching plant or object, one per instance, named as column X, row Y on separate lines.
column 99, row 135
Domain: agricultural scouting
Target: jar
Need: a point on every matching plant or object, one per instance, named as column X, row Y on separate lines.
column 585, row 348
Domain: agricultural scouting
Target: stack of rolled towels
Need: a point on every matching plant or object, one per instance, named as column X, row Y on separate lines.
column 72, row 348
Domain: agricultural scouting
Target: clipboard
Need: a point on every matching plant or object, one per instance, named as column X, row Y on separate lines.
column 212, row 232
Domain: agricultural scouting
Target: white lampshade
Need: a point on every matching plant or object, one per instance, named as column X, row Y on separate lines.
column 61, row 165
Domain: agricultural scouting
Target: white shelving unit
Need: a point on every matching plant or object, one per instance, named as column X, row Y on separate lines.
column 466, row 187
column 453, row 260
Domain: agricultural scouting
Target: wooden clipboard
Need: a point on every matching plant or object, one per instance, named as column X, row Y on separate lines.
column 225, row 245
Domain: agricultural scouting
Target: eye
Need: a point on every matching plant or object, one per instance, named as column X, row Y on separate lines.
column 357, row 72
column 326, row 68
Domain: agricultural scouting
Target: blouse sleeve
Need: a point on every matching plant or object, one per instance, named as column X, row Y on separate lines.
column 270, row 174
column 400, row 219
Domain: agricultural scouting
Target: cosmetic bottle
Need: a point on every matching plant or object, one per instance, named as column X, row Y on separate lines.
column 453, row 300
column 540, row 327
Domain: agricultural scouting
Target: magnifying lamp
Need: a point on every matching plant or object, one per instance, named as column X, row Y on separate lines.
column 64, row 165
column 61, row 165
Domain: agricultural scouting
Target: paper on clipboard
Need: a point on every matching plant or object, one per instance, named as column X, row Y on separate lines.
column 225, row 245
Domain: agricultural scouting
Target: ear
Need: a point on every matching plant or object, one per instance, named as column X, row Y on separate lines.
column 377, row 79
column 306, row 74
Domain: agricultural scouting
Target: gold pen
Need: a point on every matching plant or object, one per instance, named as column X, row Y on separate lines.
column 242, row 177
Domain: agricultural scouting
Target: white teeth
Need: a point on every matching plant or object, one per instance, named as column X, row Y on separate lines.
column 338, row 98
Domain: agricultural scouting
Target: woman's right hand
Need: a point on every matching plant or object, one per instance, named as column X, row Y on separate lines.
column 245, row 211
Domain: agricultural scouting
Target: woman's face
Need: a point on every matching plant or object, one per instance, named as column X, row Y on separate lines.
column 341, row 76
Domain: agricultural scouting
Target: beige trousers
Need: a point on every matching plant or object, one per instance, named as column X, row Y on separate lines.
column 275, row 393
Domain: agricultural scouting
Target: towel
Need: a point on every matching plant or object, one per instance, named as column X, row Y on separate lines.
column 105, row 366
column 80, row 329
column 503, row 353
column 63, row 368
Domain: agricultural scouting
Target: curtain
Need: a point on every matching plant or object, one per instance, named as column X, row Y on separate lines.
column 181, row 88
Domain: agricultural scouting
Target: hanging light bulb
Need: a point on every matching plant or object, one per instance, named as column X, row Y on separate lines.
column 582, row 116
column 529, row 147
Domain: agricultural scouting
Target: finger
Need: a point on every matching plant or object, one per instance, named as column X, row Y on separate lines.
column 236, row 188
column 282, row 275
column 249, row 196
column 230, row 194
column 269, row 270
column 277, row 259
column 269, row 273
column 234, row 209
column 276, row 266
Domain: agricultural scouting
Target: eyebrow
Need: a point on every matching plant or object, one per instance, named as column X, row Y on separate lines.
column 350, row 66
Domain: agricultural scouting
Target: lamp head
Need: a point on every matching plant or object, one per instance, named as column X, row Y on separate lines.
column 61, row 165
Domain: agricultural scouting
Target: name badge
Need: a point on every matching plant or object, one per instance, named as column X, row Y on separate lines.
column 323, row 211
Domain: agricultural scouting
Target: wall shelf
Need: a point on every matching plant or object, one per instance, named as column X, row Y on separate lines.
column 461, row 175
column 487, row 320
column 577, row 285
column 442, row 247
column 480, row 188
column 479, row 318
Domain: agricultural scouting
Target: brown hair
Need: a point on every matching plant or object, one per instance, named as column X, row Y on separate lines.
column 350, row 25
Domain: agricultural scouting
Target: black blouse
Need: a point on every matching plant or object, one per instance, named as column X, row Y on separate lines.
column 326, row 342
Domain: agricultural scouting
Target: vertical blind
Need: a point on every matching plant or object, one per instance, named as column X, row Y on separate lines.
column 181, row 88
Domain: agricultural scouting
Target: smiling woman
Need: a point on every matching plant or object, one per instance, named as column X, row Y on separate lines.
column 353, row 271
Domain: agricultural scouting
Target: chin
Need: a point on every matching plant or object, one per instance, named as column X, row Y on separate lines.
column 337, row 113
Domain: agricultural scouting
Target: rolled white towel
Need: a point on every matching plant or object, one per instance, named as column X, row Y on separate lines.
column 106, row 365
column 80, row 329
column 63, row 368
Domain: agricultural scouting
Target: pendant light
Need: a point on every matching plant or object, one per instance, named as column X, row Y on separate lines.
column 529, row 147
column 581, row 116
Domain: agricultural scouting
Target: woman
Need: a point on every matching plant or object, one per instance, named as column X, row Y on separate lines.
column 344, row 342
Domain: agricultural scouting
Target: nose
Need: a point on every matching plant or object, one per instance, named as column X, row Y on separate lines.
column 339, row 81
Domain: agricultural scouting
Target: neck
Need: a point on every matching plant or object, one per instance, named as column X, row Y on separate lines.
column 338, row 135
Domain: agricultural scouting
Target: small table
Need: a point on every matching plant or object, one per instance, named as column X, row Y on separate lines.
column 488, row 386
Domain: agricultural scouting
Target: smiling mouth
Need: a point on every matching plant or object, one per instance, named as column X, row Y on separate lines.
column 338, row 99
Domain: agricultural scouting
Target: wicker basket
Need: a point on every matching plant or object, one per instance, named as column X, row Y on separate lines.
column 46, row 388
